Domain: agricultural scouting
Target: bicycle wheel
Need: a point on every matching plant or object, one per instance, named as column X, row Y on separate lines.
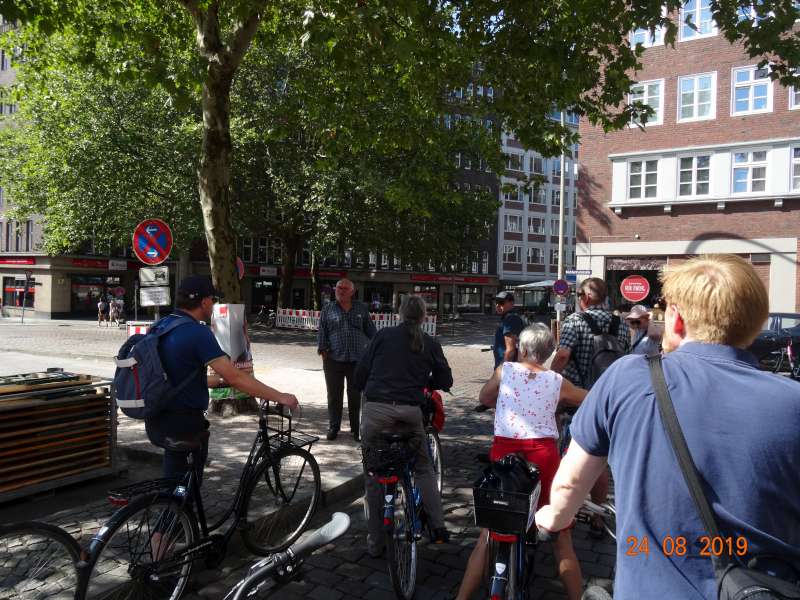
column 401, row 545
column 37, row 561
column 435, row 451
column 140, row 552
column 281, row 500
column 610, row 519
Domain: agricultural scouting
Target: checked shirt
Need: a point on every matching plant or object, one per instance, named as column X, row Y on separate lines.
column 578, row 339
column 345, row 335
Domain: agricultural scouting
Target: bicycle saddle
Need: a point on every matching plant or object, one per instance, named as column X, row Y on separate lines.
column 393, row 437
column 186, row 444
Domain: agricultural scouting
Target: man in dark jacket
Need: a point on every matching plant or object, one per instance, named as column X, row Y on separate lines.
column 396, row 367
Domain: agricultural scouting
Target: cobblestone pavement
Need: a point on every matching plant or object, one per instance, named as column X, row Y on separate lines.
column 344, row 568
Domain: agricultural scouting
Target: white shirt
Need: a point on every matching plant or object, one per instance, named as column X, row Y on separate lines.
column 526, row 403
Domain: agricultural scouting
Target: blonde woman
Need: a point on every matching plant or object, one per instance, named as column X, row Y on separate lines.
column 525, row 395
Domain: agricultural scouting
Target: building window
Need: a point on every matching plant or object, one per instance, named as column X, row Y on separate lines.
column 749, row 172
column 555, row 198
column 696, row 20
column 535, row 256
column 538, row 195
column 485, row 262
column 535, row 225
column 28, row 235
column 536, row 165
column 512, row 254
column 649, row 94
column 263, row 246
column 694, row 177
column 794, row 98
column 2, row 197
column 554, row 227
column 642, row 179
column 513, row 162
column 511, row 194
column 647, row 39
column 696, row 97
column 513, row 223
column 14, row 292
column 752, row 91
column 553, row 256
column 17, row 237
column 796, row 169
column 5, row 61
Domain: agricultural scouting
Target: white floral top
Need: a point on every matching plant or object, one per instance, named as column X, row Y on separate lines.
column 526, row 403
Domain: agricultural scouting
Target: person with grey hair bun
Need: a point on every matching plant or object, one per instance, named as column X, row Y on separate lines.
column 525, row 396
column 398, row 365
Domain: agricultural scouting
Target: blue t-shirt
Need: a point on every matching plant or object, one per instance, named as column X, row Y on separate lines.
column 742, row 427
column 188, row 349
column 510, row 324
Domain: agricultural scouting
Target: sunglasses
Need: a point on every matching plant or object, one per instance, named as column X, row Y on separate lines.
column 637, row 323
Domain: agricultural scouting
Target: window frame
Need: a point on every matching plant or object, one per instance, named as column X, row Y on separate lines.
column 651, row 40
column 642, row 184
column 528, row 256
column 696, row 33
column 792, row 162
column 794, row 98
column 519, row 252
column 750, row 164
column 659, row 116
column 694, row 180
column 751, row 83
column 541, row 230
column 508, row 217
column 713, row 109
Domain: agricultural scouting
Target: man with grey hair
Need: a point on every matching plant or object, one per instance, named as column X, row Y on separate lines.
column 345, row 328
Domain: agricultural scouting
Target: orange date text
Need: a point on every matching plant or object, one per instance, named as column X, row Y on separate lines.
column 679, row 546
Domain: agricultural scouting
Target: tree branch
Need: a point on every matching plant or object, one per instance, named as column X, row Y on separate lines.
column 206, row 26
column 243, row 35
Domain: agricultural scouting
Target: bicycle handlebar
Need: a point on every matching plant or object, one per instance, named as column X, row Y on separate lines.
column 267, row 567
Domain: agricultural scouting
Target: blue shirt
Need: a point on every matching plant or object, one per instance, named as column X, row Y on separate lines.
column 742, row 427
column 510, row 324
column 188, row 349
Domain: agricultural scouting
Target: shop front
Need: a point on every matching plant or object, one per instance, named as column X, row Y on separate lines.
column 620, row 269
column 430, row 294
column 378, row 296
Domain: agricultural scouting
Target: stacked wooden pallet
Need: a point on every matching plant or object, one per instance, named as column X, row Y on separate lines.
column 55, row 428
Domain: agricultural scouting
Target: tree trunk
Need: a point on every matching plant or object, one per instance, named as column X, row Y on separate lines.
column 214, row 177
column 288, row 256
column 316, row 292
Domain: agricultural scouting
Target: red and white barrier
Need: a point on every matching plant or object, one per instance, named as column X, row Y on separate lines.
column 135, row 327
column 292, row 318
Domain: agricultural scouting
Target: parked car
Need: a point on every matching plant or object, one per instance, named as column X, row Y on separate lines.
column 777, row 347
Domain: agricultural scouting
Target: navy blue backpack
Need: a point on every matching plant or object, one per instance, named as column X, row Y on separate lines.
column 140, row 383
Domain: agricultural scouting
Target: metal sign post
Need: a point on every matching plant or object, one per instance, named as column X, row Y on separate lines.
column 25, row 294
column 561, row 206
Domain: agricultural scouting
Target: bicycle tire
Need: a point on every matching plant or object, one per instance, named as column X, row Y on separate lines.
column 37, row 561
column 435, row 450
column 610, row 519
column 401, row 545
column 274, row 515
column 121, row 557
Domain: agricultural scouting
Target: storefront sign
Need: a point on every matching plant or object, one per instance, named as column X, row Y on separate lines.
column 268, row 271
column 449, row 278
column 152, row 241
column 322, row 274
column 17, row 261
column 117, row 265
column 150, row 276
column 154, row 296
column 91, row 263
column 638, row 263
column 635, row 288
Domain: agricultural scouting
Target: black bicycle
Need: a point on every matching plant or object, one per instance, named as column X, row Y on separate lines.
column 505, row 498
column 148, row 547
column 284, row 566
column 37, row 561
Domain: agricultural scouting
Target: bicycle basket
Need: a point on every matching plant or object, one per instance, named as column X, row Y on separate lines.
column 506, row 496
column 387, row 458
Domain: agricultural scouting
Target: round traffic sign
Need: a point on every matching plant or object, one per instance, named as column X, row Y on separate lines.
column 240, row 267
column 635, row 288
column 561, row 287
column 152, row 241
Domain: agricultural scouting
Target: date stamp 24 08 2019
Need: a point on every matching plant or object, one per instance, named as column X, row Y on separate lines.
column 679, row 546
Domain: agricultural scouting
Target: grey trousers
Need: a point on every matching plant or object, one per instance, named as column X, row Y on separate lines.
column 375, row 418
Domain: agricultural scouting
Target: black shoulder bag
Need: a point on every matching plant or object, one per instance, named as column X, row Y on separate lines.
column 734, row 580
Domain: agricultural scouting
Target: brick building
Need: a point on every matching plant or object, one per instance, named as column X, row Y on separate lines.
column 717, row 169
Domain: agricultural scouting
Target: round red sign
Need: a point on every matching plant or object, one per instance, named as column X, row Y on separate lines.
column 152, row 241
column 635, row 288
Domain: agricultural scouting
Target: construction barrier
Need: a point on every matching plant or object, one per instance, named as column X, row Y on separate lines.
column 292, row 318
column 135, row 327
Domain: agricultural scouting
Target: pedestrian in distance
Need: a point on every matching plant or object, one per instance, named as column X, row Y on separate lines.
column 507, row 332
column 525, row 395
column 578, row 358
column 398, row 365
column 646, row 337
column 102, row 312
column 186, row 351
column 741, row 428
column 345, row 329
